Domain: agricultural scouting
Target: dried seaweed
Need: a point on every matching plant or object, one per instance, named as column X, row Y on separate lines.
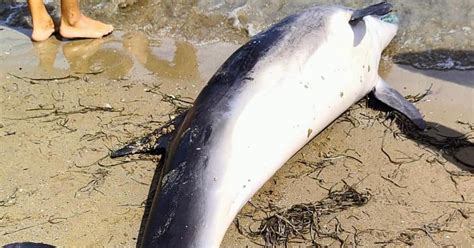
column 30, row 80
column 398, row 161
column 98, row 178
column 439, row 225
column 467, row 124
column 181, row 104
column 9, row 200
column 446, row 145
column 63, row 79
column 63, row 124
column 418, row 97
column 302, row 220
column 59, row 112
column 52, row 220
column 316, row 167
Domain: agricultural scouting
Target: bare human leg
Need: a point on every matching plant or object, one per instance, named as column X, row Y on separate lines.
column 43, row 25
column 76, row 25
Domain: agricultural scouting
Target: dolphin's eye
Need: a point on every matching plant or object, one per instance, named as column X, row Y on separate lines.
column 389, row 18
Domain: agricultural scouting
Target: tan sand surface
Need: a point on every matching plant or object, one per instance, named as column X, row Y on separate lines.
column 65, row 105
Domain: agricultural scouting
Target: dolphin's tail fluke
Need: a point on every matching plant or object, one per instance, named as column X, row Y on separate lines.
column 379, row 9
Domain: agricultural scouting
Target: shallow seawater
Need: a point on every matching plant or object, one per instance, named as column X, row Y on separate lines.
column 433, row 34
column 425, row 26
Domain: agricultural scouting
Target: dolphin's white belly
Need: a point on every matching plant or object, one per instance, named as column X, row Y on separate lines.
column 285, row 106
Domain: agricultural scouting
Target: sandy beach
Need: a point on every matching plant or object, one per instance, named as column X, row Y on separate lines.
column 64, row 105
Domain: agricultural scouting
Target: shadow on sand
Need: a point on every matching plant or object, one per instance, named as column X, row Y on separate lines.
column 449, row 65
column 453, row 145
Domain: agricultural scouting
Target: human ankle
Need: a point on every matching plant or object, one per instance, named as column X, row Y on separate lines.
column 71, row 19
column 43, row 21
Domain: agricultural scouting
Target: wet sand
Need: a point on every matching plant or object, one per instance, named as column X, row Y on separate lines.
column 65, row 105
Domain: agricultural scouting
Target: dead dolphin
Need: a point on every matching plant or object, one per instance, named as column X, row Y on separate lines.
column 270, row 97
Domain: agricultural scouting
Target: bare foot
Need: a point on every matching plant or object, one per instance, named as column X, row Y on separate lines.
column 43, row 28
column 84, row 27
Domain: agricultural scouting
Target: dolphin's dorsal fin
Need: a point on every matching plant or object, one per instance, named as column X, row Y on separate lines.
column 379, row 9
column 395, row 100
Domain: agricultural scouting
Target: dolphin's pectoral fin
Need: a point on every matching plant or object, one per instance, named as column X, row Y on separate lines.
column 379, row 9
column 153, row 143
column 395, row 100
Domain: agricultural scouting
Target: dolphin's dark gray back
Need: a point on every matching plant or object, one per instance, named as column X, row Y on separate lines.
column 181, row 188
